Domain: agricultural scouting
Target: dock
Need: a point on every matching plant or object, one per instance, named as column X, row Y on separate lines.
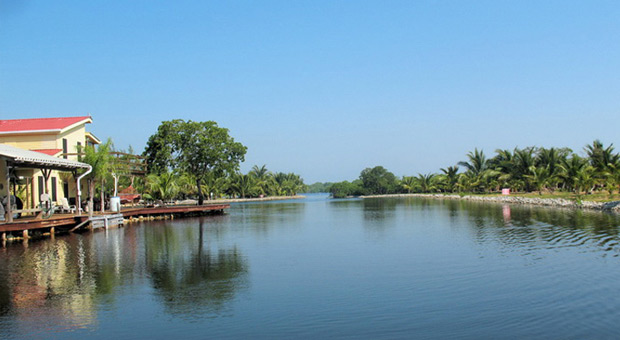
column 25, row 227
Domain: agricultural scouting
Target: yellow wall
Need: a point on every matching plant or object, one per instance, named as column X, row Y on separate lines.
column 73, row 136
column 32, row 142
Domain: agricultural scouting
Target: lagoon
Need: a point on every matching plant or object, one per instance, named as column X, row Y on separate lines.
column 318, row 268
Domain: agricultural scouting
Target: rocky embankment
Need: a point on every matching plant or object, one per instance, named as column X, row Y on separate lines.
column 238, row 200
column 552, row 202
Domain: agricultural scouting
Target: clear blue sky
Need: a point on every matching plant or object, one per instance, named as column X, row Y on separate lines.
column 323, row 88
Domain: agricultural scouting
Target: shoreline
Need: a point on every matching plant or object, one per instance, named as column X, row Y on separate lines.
column 242, row 200
column 613, row 206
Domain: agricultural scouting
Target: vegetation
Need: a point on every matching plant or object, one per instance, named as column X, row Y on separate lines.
column 543, row 171
column 319, row 187
column 195, row 149
column 259, row 182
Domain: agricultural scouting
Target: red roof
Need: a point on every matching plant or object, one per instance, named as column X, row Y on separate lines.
column 39, row 124
column 51, row 152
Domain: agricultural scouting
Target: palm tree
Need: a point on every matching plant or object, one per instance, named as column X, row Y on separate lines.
column 164, row 186
column 539, row 177
column 476, row 166
column 242, row 185
column 523, row 161
column 477, row 162
column 503, row 162
column 101, row 162
column 426, row 183
column 551, row 159
column 601, row 157
column 452, row 177
column 261, row 176
column 570, row 171
column 408, row 183
column 212, row 184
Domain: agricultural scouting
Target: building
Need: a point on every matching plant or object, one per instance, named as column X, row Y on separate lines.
column 57, row 137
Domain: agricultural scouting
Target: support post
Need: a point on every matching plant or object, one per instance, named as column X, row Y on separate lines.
column 25, row 233
column 9, row 206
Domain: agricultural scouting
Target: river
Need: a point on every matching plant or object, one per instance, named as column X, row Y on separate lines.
column 319, row 268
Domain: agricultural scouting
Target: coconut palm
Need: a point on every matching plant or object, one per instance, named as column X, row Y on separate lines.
column 426, row 183
column 242, row 185
column 476, row 166
column 539, row 177
column 570, row 171
column 101, row 162
column 262, row 178
column 408, row 183
column 601, row 157
column 451, row 177
column 164, row 186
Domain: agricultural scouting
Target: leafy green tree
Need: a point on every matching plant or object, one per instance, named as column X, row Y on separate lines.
column 319, row 187
column 378, row 180
column 196, row 148
column 345, row 189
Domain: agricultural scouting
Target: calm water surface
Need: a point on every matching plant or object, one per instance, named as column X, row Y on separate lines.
column 318, row 268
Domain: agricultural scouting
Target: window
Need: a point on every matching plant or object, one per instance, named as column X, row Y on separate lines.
column 64, row 148
column 54, row 196
column 41, row 191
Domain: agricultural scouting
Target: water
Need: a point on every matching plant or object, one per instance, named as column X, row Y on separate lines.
column 318, row 268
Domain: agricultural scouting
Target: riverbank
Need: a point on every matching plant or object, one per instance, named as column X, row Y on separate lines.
column 243, row 200
column 551, row 202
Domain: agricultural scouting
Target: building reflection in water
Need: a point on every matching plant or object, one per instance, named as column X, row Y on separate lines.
column 60, row 284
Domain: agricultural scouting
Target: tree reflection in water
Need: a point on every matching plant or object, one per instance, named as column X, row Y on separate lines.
column 191, row 279
column 60, row 284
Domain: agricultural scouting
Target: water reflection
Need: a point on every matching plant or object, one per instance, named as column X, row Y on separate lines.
column 60, row 284
column 261, row 217
column 190, row 278
column 379, row 214
column 532, row 227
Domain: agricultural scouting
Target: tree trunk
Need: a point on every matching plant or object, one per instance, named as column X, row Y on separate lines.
column 91, row 194
column 200, row 196
column 102, row 196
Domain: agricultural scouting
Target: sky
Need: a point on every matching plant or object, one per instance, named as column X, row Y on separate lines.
column 323, row 88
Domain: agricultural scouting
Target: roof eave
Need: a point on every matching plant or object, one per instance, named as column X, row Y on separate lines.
column 81, row 122
column 29, row 132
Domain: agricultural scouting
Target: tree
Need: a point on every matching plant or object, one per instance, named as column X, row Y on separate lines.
column 196, row 148
column 451, row 176
column 163, row 186
column 242, row 185
column 101, row 162
column 408, row 183
column 261, row 177
column 378, row 180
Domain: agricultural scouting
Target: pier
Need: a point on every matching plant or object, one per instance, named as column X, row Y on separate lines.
column 25, row 227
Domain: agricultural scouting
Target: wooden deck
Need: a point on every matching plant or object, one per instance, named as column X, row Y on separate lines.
column 66, row 222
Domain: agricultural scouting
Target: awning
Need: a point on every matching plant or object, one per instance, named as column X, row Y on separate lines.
column 32, row 159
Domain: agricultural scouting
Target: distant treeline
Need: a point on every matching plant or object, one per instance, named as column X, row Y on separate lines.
column 318, row 187
column 531, row 169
